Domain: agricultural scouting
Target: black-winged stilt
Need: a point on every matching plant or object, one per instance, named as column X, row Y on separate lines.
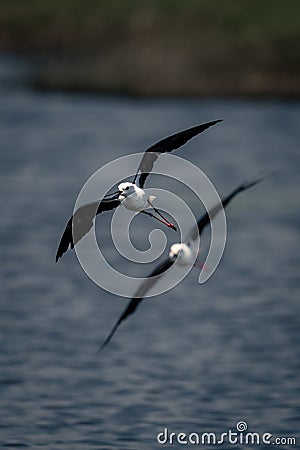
column 180, row 253
column 129, row 195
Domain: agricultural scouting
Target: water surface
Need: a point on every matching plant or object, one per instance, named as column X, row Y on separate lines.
column 196, row 359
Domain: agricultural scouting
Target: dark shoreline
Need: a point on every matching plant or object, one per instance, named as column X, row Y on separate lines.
column 29, row 70
column 64, row 80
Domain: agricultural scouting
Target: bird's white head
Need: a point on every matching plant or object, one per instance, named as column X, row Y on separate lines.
column 127, row 188
column 182, row 252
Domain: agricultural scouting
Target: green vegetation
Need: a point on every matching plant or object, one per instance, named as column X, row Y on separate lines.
column 252, row 43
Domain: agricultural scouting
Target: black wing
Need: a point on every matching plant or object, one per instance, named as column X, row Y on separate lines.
column 167, row 145
column 138, row 297
column 82, row 222
column 207, row 217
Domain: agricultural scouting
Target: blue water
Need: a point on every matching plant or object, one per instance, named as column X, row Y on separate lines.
column 197, row 358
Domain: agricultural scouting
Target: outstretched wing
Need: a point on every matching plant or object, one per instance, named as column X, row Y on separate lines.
column 167, row 145
column 138, row 297
column 207, row 217
column 81, row 222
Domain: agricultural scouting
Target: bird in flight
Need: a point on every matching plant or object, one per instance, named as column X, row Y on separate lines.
column 129, row 195
column 180, row 253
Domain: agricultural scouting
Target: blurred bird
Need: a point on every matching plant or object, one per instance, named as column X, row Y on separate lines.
column 180, row 253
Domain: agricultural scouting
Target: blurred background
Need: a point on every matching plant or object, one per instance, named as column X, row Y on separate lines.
column 158, row 47
column 83, row 83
